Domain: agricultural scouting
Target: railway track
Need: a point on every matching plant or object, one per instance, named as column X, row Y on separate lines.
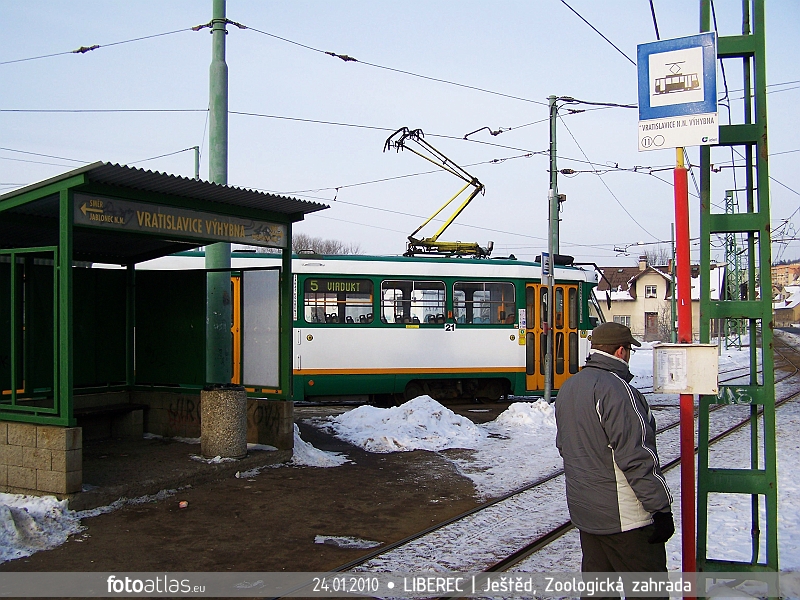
column 520, row 535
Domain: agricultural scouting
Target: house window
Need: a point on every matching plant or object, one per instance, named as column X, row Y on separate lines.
column 623, row 320
column 650, row 291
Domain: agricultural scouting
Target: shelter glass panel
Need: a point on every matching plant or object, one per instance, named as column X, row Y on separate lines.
column 261, row 328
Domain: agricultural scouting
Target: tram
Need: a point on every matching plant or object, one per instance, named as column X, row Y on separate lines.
column 678, row 82
column 385, row 329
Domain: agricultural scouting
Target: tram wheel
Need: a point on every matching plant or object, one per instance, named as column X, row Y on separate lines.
column 413, row 390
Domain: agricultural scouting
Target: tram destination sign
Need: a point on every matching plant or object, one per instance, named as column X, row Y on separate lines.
column 678, row 92
column 174, row 222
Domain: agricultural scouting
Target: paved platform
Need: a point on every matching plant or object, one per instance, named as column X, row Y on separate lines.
column 133, row 468
column 115, row 469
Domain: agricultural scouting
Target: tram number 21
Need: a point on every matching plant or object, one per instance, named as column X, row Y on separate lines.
column 449, row 326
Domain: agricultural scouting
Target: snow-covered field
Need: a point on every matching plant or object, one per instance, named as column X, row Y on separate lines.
column 499, row 456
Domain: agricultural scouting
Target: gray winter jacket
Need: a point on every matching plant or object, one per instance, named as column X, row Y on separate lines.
column 606, row 436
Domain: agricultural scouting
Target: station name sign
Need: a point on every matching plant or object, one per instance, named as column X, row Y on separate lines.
column 678, row 92
column 143, row 217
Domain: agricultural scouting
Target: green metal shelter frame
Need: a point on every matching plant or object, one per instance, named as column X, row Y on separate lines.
column 50, row 228
column 753, row 305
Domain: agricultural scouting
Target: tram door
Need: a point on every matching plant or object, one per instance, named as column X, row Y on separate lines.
column 565, row 334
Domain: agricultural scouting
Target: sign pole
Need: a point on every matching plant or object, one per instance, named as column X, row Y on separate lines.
column 685, row 337
column 552, row 250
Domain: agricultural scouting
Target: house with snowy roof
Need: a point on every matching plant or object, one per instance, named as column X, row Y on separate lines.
column 787, row 310
column 640, row 298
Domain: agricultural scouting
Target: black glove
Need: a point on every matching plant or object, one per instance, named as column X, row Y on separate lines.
column 663, row 528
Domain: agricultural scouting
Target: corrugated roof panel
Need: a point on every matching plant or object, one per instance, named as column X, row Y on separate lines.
column 184, row 187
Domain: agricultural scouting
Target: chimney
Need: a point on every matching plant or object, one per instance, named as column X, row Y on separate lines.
column 642, row 263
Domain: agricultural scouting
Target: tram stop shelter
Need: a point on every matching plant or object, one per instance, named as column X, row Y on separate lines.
column 91, row 346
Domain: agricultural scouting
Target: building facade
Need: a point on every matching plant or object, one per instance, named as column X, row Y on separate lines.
column 641, row 298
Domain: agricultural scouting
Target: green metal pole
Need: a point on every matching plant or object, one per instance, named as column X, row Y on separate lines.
column 219, row 313
column 62, row 386
column 552, row 250
column 130, row 324
column 286, row 317
column 554, row 204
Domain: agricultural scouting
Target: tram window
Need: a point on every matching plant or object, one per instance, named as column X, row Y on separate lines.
column 543, row 304
column 573, row 352
column 559, row 352
column 478, row 302
column 530, row 353
column 338, row 301
column 559, row 313
column 412, row 302
column 530, row 305
column 573, row 308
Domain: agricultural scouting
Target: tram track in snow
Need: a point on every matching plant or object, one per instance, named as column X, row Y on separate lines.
column 544, row 540
column 527, row 519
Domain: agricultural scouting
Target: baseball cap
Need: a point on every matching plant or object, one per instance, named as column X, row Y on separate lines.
column 613, row 334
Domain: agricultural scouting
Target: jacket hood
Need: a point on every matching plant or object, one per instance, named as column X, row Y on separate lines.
column 602, row 360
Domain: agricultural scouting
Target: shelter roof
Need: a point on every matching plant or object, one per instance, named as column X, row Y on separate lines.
column 30, row 216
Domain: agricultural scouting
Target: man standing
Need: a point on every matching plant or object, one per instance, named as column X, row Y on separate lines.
column 617, row 496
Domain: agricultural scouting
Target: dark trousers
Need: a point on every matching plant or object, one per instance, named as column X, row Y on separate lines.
column 623, row 552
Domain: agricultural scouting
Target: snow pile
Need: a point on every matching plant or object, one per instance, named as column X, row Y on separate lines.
column 29, row 524
column 521, row 448
column 306, row 455
column 530, row 416
column 419, row 424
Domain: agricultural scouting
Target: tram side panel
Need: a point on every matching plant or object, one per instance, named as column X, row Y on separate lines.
column 343, row 361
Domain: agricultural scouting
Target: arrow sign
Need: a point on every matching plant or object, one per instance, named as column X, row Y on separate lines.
column 85, row 209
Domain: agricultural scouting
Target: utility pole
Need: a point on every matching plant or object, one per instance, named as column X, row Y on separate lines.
column 196, row 162
column 219, row 360
column 552, row 250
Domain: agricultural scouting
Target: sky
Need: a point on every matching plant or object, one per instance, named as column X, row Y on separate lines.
column 519, row 52
column 525, row 429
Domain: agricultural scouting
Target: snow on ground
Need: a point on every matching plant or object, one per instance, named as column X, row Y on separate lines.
column 305, row 454
column 29, row 524
column 505, row 454
column 346, row 541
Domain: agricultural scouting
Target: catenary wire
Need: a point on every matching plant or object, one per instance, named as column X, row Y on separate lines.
column 85, row 49
column 606, row 185
column 347, row 58
column 598, row 32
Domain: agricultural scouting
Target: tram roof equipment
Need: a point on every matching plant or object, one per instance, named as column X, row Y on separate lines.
column 399, row 140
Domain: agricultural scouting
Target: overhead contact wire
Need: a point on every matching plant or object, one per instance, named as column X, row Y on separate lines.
column 347, row 58
column 86, row 49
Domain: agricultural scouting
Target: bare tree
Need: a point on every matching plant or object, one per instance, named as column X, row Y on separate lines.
column 658, row 256
column 302, row 242
column 665, row 322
